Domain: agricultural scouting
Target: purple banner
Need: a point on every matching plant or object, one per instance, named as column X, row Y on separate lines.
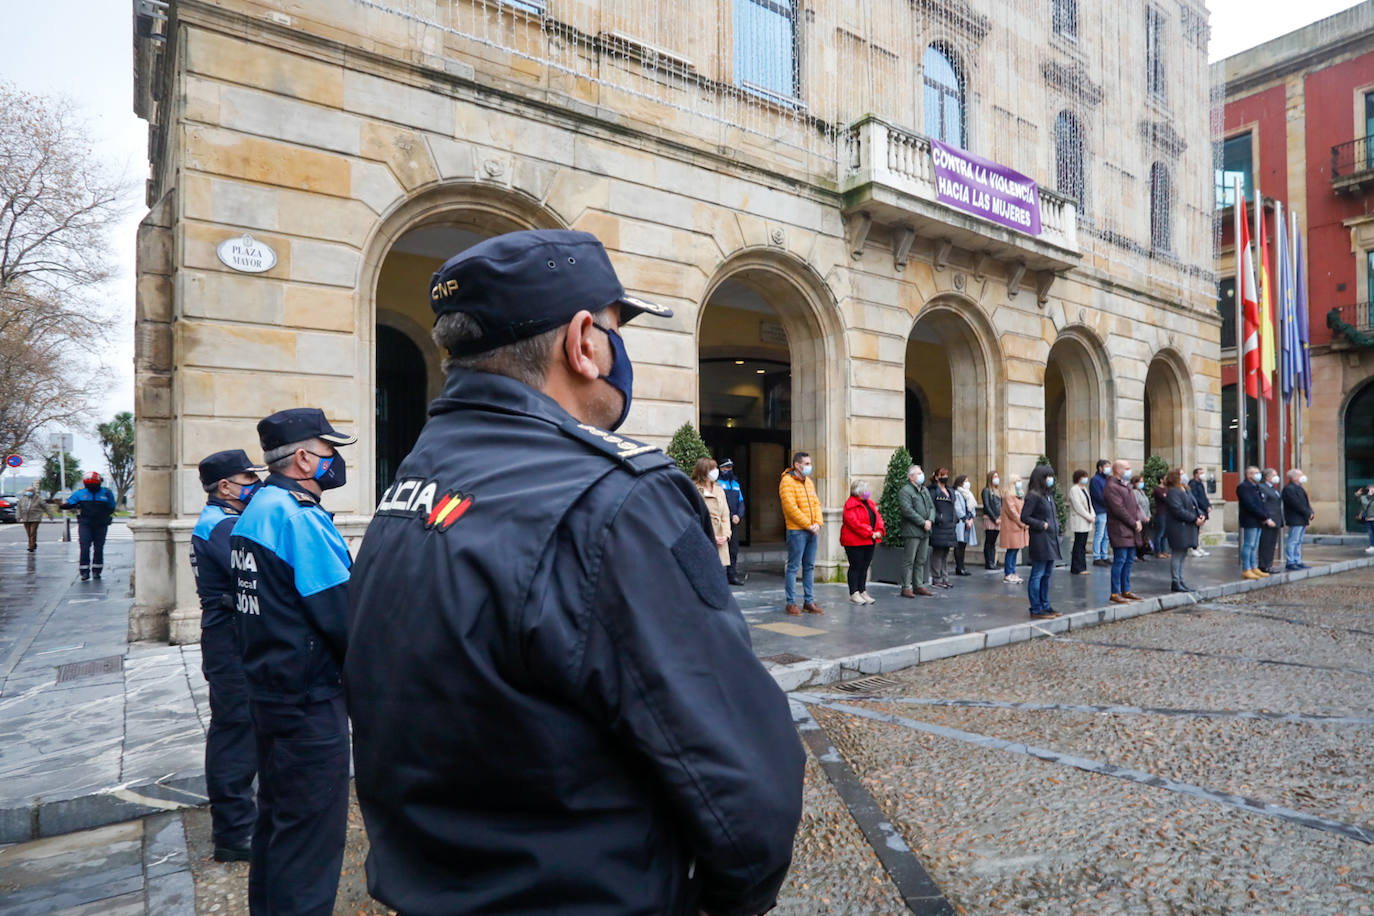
column 984, row 188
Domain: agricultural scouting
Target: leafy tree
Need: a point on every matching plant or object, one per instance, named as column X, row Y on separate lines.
column 888, row 505
column 1154, row 471
column 687, row 447
column 1061, row 480
column 51, row 470
column 117, row 442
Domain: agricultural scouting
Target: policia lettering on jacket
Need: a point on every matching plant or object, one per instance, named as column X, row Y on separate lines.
column 555, row 704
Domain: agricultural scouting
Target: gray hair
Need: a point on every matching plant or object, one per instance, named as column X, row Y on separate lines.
column 525, row 360
column 913, row 469
column 279, row 458
column 856, row 486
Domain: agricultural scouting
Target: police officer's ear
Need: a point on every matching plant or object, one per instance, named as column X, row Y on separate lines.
column 581, row 346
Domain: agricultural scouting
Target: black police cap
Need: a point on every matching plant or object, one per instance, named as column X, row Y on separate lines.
column 521, row 284
column 216, row 467
column 296, row 425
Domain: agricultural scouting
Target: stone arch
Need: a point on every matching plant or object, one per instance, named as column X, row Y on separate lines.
column 771, row 280
column 951, row 339
column 1080, row 401
column 463, row 208
column 1168, row 408
column 1356, row 450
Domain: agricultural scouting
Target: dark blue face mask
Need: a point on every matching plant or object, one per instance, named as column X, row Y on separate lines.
column 622, row 374
column 246, row 491
column 332, row 472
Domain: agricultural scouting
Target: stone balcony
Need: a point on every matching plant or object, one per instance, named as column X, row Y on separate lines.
column 888, row 181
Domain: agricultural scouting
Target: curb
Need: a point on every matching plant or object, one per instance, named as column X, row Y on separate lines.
column 819, row 672
column 43, row 818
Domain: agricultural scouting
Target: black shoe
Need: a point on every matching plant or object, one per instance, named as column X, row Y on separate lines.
column 735, row 581
column 233, row 853
column 97, row 577
column 85, row 577
column 962, row 572
column 1177, row 587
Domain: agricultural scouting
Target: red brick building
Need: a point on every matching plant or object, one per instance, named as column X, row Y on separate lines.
column 1299, row 121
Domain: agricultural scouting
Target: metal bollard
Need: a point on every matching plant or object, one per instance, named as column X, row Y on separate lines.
column 67, row 534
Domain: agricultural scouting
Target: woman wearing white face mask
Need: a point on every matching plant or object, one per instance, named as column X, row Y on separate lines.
column 860, row 534
column 992, row 519
column 965, row 511
column 1015, row 534
column 704, row 475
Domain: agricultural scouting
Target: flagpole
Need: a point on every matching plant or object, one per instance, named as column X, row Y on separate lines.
column 1306, row 382
column 1260, row 405
column 1282, row 245
column 1237, row 208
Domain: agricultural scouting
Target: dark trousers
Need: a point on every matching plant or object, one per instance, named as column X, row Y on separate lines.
column 298, row 842
column 31, row 529
column 990, row 547
column 1269, row 539
column 959, row 551
column 92, row 538
column 860, row 558
column 939, row 557
column 732, row 571
column 231, row 753
column 1078, row 560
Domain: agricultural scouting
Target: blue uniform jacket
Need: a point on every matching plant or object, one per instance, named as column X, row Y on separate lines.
column 1251, row 505
column 555, row 704
column 93, row 507
column 210, row 562
column 734, row 495
column 291, row 569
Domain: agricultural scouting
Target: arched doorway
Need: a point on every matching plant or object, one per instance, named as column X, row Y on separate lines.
column 1077, row 400
column 950, row 362
column 765, row 351
column 1359, row 451
column 1166, row 410
column 394, row 321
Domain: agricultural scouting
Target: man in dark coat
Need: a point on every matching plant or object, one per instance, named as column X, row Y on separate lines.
column 918, row 517
column 1254, row 518
column 555, row 704
column 942, row 536
column 1273, row 511
column 1297, row 515
column 1123, row 525
column 1198, row 487
column 1101, row 543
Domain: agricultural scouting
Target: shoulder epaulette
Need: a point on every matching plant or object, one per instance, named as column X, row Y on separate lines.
column 305, row 499
column 639, row 457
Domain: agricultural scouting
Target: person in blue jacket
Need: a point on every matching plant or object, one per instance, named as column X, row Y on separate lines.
column 734, row 501
column 555, row 705
column 94, row 506
column 291, row 569
column 231, row 757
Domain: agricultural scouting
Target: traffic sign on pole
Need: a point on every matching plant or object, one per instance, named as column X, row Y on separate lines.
column 14, row 461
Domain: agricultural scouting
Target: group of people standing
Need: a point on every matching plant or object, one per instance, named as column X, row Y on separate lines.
column 1264, row 510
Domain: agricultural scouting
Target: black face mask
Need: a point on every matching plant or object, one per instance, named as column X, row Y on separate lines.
column 92, row 487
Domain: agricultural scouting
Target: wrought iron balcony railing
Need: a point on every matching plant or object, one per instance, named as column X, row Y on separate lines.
column 1352, row 163
column 1355, row 322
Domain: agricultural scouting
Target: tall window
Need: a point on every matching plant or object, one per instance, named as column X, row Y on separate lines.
column 1068, row 158
column 944, row 96
column 1154, row 51
column 1236, row 162
column 1066, row 18
column 1161, row 206
column 1369, row 277
column 766, row 46
column 1368, row 129
column 1230, row 427
column 1226, row 307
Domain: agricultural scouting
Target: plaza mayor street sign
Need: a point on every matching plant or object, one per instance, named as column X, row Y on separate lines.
column 985, row 189
column 245, row 253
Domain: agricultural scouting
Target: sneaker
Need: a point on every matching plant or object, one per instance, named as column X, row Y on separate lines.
column 1203, row 553
column 812, row 608
column 1013, row 579
column 793, row 611
column 868, row 599
column 1194, row 552
column 1369, row 550
column 856, row 598
column 233, row 853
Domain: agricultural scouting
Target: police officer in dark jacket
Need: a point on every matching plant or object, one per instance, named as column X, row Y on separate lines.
column 555, row 703
column 734, row 501
column 231, row 759
column 1273, row 508
column 291, row 570
column 94, row 505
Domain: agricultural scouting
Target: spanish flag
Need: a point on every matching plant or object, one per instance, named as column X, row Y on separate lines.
column 1266, row 312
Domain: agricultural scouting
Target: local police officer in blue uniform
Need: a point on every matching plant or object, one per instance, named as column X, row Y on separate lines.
column 555, row 703
column 734, row 501
column 231, row 757
column 291, row 571
column 94, row 506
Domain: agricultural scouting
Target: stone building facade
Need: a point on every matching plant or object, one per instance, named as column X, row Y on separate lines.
column 763, row 167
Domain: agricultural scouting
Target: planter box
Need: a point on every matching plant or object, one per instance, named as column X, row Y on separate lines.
column 887, row 565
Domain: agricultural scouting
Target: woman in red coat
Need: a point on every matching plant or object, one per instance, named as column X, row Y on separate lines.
column 860, row 535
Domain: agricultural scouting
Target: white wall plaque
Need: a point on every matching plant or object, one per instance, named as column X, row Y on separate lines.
column 247, row 254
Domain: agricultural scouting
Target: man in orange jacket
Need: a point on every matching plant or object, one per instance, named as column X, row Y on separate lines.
column 802, row 510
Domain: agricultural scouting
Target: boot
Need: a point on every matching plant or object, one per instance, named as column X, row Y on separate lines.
column 793, row 611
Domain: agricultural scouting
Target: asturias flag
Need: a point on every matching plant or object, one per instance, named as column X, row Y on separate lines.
column 1249, row 298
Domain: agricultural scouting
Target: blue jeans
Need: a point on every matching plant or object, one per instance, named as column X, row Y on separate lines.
column 1249, row 548
column 801, row 551
column 1038, row 589
column 1009, row 567
column 1158, row 543
column 1101, row 545
column 1292, row 545
column 1370, row 526
column 1123, row 558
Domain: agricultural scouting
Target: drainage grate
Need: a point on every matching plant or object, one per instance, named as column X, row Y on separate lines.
column 866, row 684
column 786, row 658
column 92, row 668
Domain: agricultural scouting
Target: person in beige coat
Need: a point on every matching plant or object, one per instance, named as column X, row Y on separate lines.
column 705, row 475
column 30, row 512
column 1081, row 521
column 1015, row 534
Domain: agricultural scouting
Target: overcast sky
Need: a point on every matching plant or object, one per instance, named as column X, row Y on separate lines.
column 84, row 49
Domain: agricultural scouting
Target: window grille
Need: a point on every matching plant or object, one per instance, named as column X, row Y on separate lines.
column 1070, row 178
column 944, row 96
column 1161, row 207
column 1065, row 17
column 1154, row 51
